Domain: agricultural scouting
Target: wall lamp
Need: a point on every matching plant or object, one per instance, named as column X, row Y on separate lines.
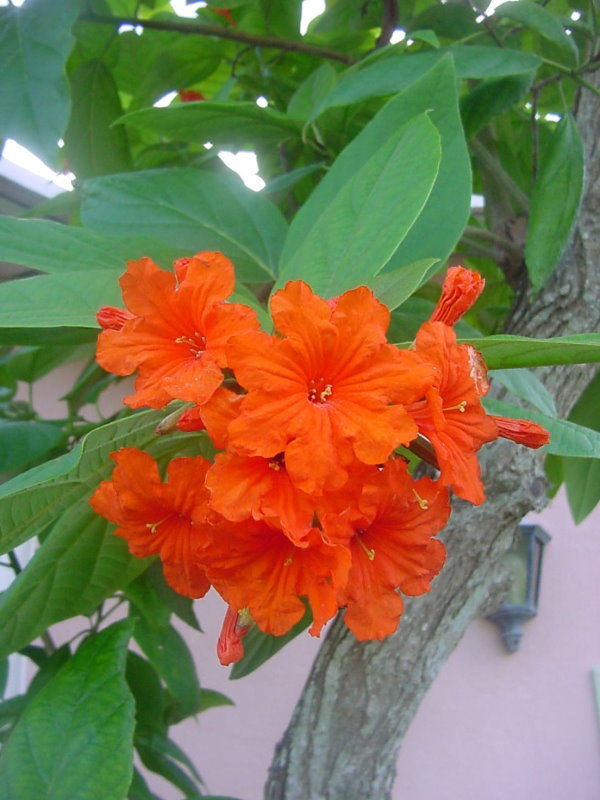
column 524, row 560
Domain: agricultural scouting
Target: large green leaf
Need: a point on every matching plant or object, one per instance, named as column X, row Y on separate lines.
column 235, row 125
column 92, row 145
column 75, row 739
column 52, row 247
column 441, row 222
column 542, row 21
column 24, row 442
column 393, row 74
column 66, row 299
column 566, row 438
column 342, row 237
column 191, row 209
column 35, row 41
column 507, row 352
column 554, row 201
column 79, row 564
column 443, row 219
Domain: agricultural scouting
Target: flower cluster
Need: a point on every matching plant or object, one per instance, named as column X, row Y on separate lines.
column 308, row 499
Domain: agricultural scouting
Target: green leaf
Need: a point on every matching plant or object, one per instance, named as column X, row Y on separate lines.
column 139, row 790
column 542, row 21
column 75, row 738
column 282, row 18
column 209, row 698
column 491, row 98
column 190, row 209
column 312, row 91
column 149, row 695
column 79, row 564
column 395, row 73
column 153, row 755
column 443, row 219
column 566, row 438
column 260, row 647
column 170, row 656
column 554, row 201
column 582, row 475
column 507, row 352
column 228, row 125
column 53, row 247
column 29, row 364
column 24, row 442
column 157, row 62
column 526, row 386
column 182, row 607
column 66, row 299
column 341, row 238
column 288, row 180
column 92, row 146
column 393, row 288
column 35, row 41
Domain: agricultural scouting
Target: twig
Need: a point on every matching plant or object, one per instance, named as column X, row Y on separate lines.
column 201, row 29
column 388, row 24
column 494, row 167
column 493, row 238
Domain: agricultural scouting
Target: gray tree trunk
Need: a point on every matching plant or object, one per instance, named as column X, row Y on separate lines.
column 343, row 740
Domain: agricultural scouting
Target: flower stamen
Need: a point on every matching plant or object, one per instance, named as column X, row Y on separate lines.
column 421, row 501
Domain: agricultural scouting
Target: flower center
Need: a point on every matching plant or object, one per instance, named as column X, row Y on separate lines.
column 277, row 462
column 319, row 390
column 196, row 343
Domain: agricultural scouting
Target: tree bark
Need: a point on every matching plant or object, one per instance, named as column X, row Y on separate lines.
column 343, row 740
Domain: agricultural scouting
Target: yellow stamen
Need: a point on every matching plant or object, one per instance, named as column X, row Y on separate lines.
column 327, row 392
column 460, row 407
column 288, row 561
column 369, row 552
column 421, row 501
column 274, row 466
column 154, row 525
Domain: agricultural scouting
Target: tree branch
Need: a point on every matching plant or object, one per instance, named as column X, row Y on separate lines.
column 389, row 22
column 201, row 29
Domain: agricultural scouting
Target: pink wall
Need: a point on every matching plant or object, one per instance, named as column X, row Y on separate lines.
column 494, row 725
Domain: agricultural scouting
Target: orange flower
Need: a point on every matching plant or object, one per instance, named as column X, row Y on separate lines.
column 389, row 532
column 178, row 335
column 255, row 565
column 460, row 290
column 250, row 486
column 451, row 415
column 156, row 518
column 521, row 431
column 329, row 392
